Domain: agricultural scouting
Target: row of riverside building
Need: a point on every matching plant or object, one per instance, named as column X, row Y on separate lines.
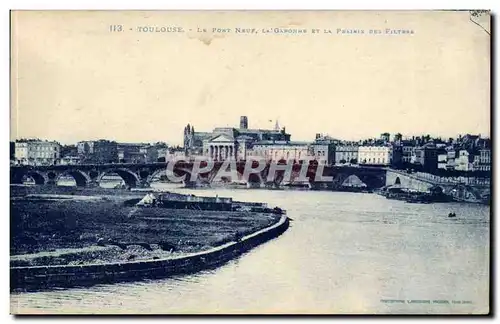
column 42, row 152
column 465, row 153
column 423, row 153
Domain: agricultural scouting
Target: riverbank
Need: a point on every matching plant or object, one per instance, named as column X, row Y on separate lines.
column 54, row 227
column 23, row 190
column 44, row 277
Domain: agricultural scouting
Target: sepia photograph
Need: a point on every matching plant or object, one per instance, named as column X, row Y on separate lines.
column 249, row 162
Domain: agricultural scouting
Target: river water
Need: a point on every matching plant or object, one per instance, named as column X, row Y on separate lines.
column 344, row 253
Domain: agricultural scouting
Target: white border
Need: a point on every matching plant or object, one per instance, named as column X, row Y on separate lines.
column 248, row 4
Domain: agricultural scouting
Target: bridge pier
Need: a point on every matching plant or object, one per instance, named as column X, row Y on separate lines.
column 144, row 184
column 255, row 185
column 189, row 184
column 92, row 184
column 51, row 182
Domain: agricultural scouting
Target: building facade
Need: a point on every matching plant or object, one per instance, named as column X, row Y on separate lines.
column 281, row 150
column 451, row 154
column 323, row 149
column 162, row 154
column 130, row 152
column 222, row 146
column 148, row 154
column 70, row 160
column 324, row 153
column 442, row 160
column 407, row 150
column 97, row 152
column 426, row 156
column 229, row 142
column 375, row 155
column 35, row 152
column 396, row 154
column 346, row 154
column 464, row 161
column 485, row 159
column 137, row 153
column 174, row 153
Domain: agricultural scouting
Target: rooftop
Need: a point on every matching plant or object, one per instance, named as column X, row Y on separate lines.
column 291, row 143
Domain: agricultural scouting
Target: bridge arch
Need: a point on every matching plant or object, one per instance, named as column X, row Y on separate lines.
column 80, row 177
column 144, row 173
column 206, row 177
column 39, row 177
column 372, row 180
column 157, row 174
column 130, row 178
column 353, row 181
column 462, row 192
column 437, row 189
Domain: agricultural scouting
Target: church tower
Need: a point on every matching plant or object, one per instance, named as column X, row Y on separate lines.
column 277, row 126
column 188, row 136
column 243, row 122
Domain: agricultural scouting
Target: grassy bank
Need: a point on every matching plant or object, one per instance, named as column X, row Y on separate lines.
column 39, row 226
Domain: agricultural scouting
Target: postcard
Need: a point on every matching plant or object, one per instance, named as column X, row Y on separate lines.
column 250, row 162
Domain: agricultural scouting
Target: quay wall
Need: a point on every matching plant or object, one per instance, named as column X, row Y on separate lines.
column 43, row 277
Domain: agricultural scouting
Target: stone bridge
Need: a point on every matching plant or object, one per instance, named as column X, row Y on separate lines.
column 463, row 188
column 142, row 175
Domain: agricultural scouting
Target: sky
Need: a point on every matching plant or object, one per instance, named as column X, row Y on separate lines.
column 73, row 79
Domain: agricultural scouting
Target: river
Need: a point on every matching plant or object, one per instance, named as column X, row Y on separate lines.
column 344, row 253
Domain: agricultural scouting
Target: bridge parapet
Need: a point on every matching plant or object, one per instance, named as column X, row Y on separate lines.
column 439, row 180
column 141, row 175
column 470, row 181
column 424, row 181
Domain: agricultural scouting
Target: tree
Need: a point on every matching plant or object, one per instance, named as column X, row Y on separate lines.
column 342, row 161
